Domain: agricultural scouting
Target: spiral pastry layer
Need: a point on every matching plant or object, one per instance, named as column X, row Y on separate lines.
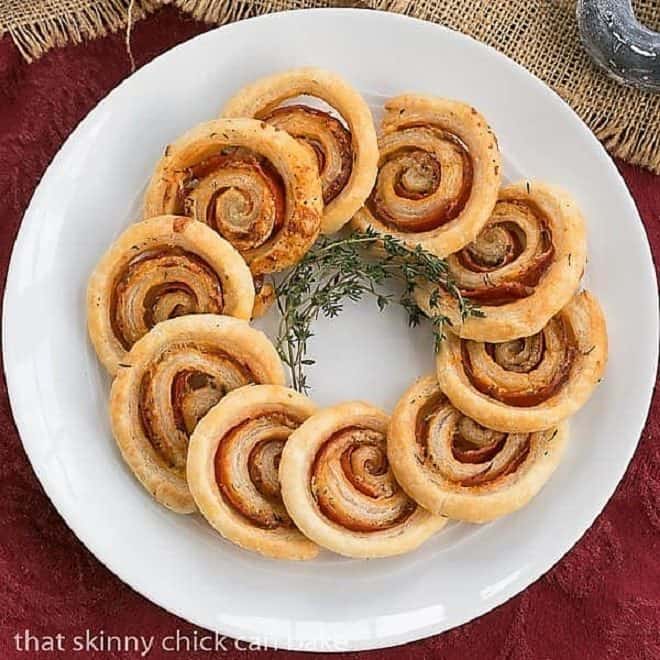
column 346, row 153
column 438, row 174
column 524, row 266
column 452, row 465
column 164, row 267
column 233, row 462
column 171, row 378
column 531, row 383
column 252, row 183
column 338, row 487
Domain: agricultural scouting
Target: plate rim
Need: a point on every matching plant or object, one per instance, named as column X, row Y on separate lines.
column 248, row 634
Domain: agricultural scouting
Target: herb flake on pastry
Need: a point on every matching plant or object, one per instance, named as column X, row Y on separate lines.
column 453, row 466
column 346, row 153
column 232, row 469
column 170, row 379
column 530, row 383
column 439, row 173
column 339, row 489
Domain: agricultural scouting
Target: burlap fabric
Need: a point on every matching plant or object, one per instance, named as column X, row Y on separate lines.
column 539, row 34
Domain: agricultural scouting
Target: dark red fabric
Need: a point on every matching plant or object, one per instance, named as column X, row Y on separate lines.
column 600, row 602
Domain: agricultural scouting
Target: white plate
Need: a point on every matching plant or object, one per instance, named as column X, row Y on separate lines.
column 58, row 391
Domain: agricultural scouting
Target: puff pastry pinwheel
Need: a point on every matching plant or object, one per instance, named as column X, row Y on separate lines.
column 522, row 268
column 531, row 383
column 452, row 465
column 164, row 267
column 254, row 184
column 346, row 153
column 233, row 460
column 171, row 378
column 339, row 489
column 439, row 174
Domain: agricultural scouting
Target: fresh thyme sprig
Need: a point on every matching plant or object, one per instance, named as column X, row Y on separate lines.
column 336, row 269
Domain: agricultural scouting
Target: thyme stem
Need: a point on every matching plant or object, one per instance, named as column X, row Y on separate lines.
column 338, row 269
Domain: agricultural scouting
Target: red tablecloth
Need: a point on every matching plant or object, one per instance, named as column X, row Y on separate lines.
column 601, row 601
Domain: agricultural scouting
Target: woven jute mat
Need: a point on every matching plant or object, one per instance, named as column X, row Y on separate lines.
column 541, row 35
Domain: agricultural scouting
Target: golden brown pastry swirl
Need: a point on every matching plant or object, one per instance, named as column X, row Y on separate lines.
column 255, row 185
column 508, row 258
column 171, row 378
column 338, row 487
column 531, row 383
column 522, row 268
column 438, row 174
column 233, row 464
column 252, row 485
column 353, row 484
column 165, row 267
column 452, row 465
column 326, row 138
column 424, row 179
column 179, row 388
column 160, row 284
column 345, row 151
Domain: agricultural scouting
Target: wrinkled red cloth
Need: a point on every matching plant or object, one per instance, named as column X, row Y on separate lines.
column 600, row 602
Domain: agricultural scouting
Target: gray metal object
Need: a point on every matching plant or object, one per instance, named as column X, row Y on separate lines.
column 627, row 50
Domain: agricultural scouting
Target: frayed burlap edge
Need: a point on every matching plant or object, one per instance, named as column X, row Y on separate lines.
column 34, row 38
column 623, row 138
column 630, row 143
column 628, row 135
column 227, row 11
